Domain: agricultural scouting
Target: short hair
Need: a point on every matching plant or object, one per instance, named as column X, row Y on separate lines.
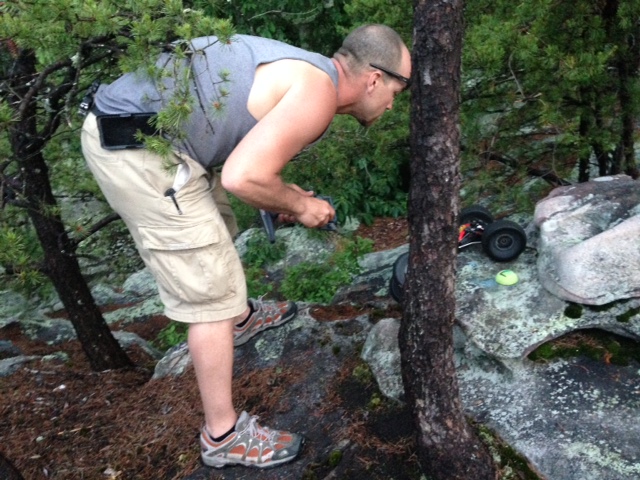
column 372, row 43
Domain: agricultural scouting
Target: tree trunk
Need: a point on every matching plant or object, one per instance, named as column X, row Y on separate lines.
column 447, row 446
column 627, row 156
column 627, row 71
column 7, row 470
column 602, row 156
column 628, row 62
column 585, row 154
column 61, row 265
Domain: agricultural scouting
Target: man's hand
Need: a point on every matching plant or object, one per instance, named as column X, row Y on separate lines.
column 269, row 218
column 316, row 212
column 290, row 218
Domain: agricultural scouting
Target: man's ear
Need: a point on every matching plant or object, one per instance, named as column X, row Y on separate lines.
column 373, row 79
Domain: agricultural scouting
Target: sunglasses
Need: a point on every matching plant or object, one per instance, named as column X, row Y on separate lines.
column 391, row 73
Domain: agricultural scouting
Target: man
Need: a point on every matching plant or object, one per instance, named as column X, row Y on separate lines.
column 258, row 103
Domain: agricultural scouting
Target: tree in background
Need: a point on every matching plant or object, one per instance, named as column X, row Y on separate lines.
column 448, row 449
column 565, row 71
column 52, row 52
column 312, row 25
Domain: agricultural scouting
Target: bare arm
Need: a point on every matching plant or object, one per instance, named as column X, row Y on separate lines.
column 252, row 171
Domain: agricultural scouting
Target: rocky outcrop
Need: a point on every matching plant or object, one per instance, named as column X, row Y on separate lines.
column 590, row 241
column 570, row 418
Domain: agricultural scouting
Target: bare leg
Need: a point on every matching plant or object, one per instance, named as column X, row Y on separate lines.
column 211, row 348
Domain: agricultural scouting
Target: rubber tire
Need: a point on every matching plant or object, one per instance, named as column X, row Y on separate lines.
column 398, row 273
column 475, row 212
column 504, row 240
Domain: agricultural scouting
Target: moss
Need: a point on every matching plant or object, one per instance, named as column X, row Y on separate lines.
column 510, row 457
column 334, row 458
column 512, row 465
column 309, row 473
column 626, row 317
column 573, row 310
column 546, row 351
column 602, row 308
column 363, row 374
column 595, row 344
column 374, row 402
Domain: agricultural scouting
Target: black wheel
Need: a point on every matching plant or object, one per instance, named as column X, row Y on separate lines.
column 396, row 284
column 504, row 240
column 475, row 213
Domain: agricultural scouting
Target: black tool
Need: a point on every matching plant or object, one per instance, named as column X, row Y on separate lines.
column 269, row 218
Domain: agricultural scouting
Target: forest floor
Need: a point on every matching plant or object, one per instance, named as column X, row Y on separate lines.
column 60, row 420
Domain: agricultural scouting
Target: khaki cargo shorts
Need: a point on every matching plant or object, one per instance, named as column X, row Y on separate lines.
column 191, row 255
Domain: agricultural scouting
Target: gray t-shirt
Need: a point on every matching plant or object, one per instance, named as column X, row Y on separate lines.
column 222, row 76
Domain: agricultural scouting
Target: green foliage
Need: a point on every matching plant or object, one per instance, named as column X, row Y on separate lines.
column 335, row 456
column 258, row 282
column 89, row 33
column 364, row 170
column 68, row 169
column 573, row 310
column 397, row 15
column 308, row 24
column 7, row 114
column 261, row 252
column 512, row 465
column 18, row 249
column 595, row 344
column 55, row 30
column 628, row 315
column 554, row 70
column 173, row 334
column 362, row 374
column 246, row 215
column 76, row 42
column 318, row 282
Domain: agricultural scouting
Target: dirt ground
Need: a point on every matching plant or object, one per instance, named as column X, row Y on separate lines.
column 61, row 420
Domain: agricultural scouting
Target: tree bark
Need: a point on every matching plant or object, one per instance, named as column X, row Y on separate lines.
column 627, row 64
column 627, row 69
column 585, row 154
column 602, row 156
column 7, row 470
column 447, row 446
column 60, row 264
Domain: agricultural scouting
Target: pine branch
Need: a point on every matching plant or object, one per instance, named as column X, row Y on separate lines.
column 94, row 229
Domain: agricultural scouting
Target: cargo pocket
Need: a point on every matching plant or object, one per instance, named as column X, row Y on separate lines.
column 192, row 263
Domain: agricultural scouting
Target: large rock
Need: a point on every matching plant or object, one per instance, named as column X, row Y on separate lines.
column 590, row 241
column 508, row 323
column 570, row 418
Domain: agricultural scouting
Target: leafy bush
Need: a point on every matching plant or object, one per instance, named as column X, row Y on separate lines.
column 305, row 23
column 364, row 170
column 173, row 334
column 258, row 283
column 261, row 252
column 318, row 282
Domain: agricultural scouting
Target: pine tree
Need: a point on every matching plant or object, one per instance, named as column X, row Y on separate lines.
column 51, row 53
